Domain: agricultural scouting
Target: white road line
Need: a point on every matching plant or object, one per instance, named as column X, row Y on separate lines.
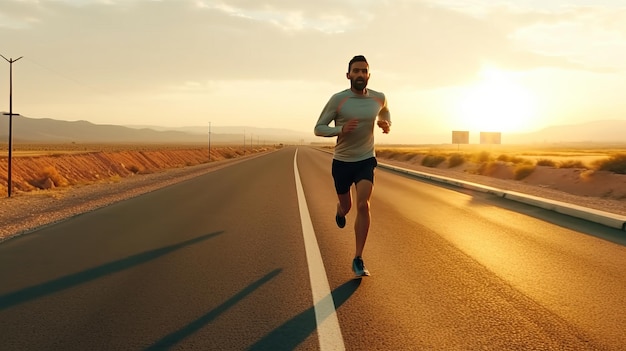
column 328, row 330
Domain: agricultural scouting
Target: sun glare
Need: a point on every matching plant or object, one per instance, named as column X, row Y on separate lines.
column 497, row 103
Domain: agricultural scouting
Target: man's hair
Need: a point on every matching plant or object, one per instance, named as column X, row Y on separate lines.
column 358, row 58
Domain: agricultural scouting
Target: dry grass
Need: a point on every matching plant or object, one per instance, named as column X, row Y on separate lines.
column 585, row 152
column 433, row 160
column 58, row 166
column 546, row 162
column 513, row 162
column 522, row 171
column 571, row 164
column 60, row 149
column 533, row 171
column 456, row 160
column 615, row 164
column 610, row 158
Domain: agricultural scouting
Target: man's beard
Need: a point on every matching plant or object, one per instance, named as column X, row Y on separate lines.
column 359, row 83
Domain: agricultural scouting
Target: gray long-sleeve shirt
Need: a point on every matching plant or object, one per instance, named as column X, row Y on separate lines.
column 346, row 105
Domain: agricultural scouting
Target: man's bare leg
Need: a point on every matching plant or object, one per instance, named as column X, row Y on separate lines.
column 345, row 204
column 343, row 207
column 362, row 223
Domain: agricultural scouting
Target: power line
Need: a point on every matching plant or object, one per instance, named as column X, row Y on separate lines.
column 61, row 75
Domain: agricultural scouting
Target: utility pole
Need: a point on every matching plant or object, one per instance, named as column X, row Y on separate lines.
column 209, row 141
column 9, row 180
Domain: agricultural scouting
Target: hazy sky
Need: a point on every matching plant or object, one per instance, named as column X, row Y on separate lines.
column 478, row 65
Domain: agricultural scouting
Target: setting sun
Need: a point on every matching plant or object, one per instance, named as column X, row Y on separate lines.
column 496, row 103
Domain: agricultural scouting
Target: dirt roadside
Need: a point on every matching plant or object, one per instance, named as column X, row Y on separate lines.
column 27, row 211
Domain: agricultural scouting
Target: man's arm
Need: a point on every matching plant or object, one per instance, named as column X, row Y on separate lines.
column 384, row 118
column 329, row 113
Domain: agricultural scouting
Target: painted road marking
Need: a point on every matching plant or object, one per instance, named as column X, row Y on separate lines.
column 328, row 330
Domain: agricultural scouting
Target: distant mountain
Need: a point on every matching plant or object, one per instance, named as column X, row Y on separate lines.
column 238, row 131
column 46, row 130
column 596, row 132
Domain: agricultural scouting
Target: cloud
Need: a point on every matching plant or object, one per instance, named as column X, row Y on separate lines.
column 119, row 46
column 591, row 37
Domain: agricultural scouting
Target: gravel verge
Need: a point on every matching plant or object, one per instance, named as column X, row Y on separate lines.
column 25, row 212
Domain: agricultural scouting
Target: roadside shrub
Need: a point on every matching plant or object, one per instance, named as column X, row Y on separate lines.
column 615, row 164
column 546, row 162
column 229, row 153
column 49, row 177
column 520, row 161
column 456, row 160
column 133, row 168
column 522, row 171
column 513, row 159
column 404, row 156
column 571, row 164
column 397, row 154
column 483, row 156
column 53, row 174
column 432, row 161
column 487, row 168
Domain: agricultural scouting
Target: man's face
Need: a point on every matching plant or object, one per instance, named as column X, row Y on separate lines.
column 359, row 75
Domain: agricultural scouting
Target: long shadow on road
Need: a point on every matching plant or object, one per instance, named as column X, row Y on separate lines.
column 177, row 336
column 286, row 337
column 66, row 282
column 293, row 332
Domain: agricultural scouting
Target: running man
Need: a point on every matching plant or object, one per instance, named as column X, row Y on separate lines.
column 354, row 112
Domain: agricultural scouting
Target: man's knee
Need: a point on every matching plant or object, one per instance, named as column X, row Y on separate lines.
column 363, row 206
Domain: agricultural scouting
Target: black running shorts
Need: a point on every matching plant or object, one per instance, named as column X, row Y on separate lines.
column 347, row 173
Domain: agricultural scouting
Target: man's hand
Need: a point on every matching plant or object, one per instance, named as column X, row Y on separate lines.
column 384, row 125
column 350, row 126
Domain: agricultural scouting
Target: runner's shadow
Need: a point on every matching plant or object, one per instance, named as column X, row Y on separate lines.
column 69, row 281
column 293, row 332
column 177, row 336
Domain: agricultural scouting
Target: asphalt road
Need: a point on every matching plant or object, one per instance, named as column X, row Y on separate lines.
column 223, row 262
